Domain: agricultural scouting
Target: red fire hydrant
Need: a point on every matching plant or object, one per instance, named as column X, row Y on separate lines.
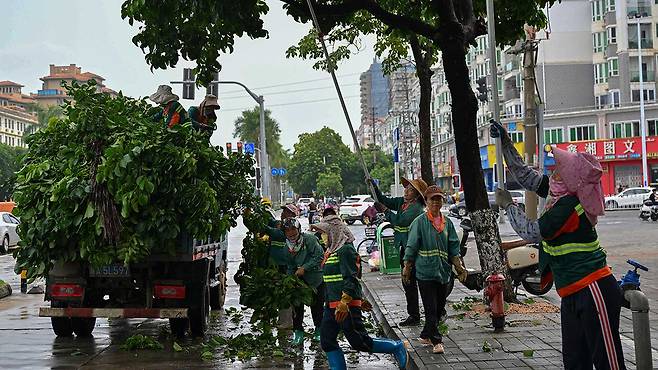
column 494, row 291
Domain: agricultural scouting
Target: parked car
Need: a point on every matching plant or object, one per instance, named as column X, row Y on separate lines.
column 354, row 207
column 8, row 224
column 459, row 209
column 629, row 198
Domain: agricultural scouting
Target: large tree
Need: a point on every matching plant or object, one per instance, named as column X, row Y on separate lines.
column 247, row 128
column 380, row 167
column 11, row 160
column 199, row 30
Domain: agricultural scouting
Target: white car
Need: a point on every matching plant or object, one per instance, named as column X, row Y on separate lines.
column 8, row 224
column 352, row 208
column 629, row 198
column 302, row 204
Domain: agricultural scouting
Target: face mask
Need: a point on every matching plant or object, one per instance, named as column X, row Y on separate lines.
column 325, row 239
column 296, row 245
column 557, row 187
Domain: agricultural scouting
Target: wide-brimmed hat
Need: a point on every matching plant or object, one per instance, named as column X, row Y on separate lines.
column 163, row 95
column 433, row 191
column 210, row 101
column 292, row 208
column 419, row 184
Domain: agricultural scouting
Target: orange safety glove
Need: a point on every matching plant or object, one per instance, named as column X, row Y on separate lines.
column 365, row 305
column 343, row 310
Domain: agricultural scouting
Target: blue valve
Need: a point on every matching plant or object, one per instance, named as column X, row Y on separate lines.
column 632, row 279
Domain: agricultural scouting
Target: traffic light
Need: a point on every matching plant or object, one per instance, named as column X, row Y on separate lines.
column 189, row 84
column 213, row 87
column 240, row 147
column 483, row 90
column 456, row 181
column 229, row 148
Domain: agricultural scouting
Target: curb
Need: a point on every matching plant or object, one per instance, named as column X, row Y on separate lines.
column 390, row 332
column 5, row 290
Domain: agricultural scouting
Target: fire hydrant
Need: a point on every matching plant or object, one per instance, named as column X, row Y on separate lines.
column 494, row 291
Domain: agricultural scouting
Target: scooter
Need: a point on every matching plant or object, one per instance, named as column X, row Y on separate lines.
column 523, row 262
column 649, row 211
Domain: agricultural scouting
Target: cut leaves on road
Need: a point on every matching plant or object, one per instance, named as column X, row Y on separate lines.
column 139, row 341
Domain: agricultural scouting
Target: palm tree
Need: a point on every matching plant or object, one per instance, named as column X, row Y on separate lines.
column 247, row 129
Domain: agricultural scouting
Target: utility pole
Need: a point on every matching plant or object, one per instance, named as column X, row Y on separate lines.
column 643, row 128
column 530, row 115
column 495, row 105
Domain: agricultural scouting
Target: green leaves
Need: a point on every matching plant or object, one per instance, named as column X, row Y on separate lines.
column 106, row 155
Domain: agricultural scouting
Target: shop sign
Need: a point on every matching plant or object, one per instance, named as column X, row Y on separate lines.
column 614, row 149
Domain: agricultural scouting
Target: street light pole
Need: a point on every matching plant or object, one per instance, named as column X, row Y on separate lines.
column 645, row 169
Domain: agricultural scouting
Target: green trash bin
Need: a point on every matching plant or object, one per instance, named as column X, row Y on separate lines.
column 389, row 253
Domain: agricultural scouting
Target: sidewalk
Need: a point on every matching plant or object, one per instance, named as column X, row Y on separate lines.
column 538, row 333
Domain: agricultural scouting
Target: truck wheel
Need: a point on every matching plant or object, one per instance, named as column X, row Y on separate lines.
column 83, row 326
column 61, row 325
column 179, row 327
column 218, row 293
column 198, row 314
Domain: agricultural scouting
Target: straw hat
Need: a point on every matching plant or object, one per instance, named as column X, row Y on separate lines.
column 433, row 191
column 163, row 95
column 419, row 184
column 210, row 101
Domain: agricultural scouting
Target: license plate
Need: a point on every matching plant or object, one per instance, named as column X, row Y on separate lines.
column 114, row 270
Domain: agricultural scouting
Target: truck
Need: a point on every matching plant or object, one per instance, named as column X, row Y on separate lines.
column 182, row 287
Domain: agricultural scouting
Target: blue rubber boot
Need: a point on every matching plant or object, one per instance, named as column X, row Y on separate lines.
column 336, row 360
column 396, row 347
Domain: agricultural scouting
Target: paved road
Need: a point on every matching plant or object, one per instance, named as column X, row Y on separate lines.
column 27, row 341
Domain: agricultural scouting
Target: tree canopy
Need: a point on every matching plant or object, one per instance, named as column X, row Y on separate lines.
column 247, row 128
column 11, row 160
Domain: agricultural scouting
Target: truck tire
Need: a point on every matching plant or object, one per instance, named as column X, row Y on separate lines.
column 83, row 326
column 218, row 292
column 179, row 327
column 198, row 313
column 61, row 325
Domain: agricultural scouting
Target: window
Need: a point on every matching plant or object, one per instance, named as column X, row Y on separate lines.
column 652, row 126
column 613, row 66
column 599, row 41
column 516, row 136
column 625, row 129
column 601, row 73
column 649, row 95
column 553, row 135
column 610, row 5
column 580, row 133
column 614, row 98
column 601, row 101
column 597, row 10
column 612, row 34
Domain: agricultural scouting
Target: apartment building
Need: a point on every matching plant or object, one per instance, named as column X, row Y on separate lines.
column 52, row 92
column 14, row 123
column 11, row 95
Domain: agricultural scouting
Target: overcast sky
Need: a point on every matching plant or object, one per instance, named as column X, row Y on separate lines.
column 91, row 34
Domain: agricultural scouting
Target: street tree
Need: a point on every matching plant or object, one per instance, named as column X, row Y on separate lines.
column 330, row 182
column 44, row 115
column 203, row 28
column 247, row 129
column 313, row 154
column 380, row 167
column 11, row 160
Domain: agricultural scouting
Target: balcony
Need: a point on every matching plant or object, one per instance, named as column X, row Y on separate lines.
column 643, row 11
column 645, row 44
column 49, row 92
column 649, row 76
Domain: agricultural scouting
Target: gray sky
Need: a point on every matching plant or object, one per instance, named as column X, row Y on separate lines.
column 92, row 34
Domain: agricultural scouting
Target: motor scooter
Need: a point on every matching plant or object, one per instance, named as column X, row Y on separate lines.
column 649, row 210
column 523, row 262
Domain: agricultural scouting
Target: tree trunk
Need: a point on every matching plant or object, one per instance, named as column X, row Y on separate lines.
column 464, row 115
column 424, row 73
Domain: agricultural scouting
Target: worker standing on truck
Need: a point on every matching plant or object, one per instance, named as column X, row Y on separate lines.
column 406, row 208
column 304, row 260
column 570, row 252
column 171, row 111
column 344, row 299
column 203, row 117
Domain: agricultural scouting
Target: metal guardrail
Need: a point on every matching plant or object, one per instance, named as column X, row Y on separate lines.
column 622, row 207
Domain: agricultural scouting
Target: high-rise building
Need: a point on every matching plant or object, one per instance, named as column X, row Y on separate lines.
column 52, row 92
column 374, row 91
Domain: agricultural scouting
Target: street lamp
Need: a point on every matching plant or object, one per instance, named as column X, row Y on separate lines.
column 264, row 162
column 645, row 169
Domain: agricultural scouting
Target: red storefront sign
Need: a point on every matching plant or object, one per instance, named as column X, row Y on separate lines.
column 614, row 149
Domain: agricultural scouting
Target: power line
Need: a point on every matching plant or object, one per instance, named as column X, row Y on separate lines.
column 242, row 96
column 293, row 103
column 295, row 83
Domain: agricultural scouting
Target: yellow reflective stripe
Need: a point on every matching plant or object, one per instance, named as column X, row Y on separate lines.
column 331, row 261
column 579, row 209
column 401, row 229
column 278, row 244
column 332, row 278
column 560, row 250
column 433, row 252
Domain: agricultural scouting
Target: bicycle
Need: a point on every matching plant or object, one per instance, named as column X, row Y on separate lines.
column 370, row 240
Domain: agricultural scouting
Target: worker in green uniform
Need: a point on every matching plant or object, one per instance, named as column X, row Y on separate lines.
column 171, row 112
column 400, row 212
column 204, row 117
column 344, row 299
column 433, row 248
column 304, row 260
column 570, row 252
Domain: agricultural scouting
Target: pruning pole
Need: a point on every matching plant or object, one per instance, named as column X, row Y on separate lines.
column 330, row 67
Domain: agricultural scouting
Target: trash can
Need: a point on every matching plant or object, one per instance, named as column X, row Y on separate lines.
column 389, row 253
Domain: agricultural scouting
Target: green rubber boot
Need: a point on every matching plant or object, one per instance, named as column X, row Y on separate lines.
column 316, row 335
column 298, row 338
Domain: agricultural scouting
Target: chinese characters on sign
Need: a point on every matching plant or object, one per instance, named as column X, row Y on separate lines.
column 612, row 149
